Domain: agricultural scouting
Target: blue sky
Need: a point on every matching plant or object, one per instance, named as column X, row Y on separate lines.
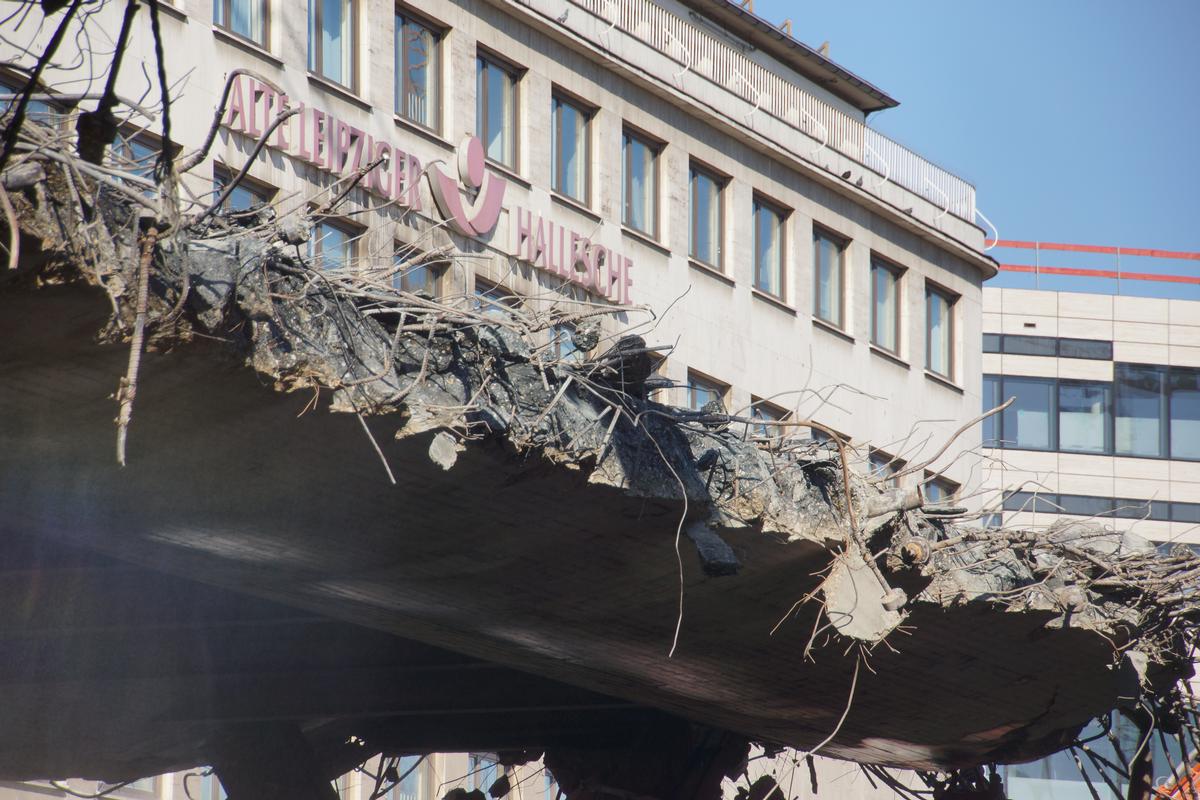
column 1077, row 121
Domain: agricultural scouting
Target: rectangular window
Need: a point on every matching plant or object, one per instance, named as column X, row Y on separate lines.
column 496, row 110
column 246, row 195
column 562, row 343
column 768, row 247
column 1140, row 410
column 767, row 412
column 1185, row 413
column 1038, row 502
column 36, row 110
column 1028, row 424
column 1085, row 348
column 829, row 269
column 991, row 343
column 708, row 216
column 939, row 489
column 410, row 787
column 939, row 331
column 570, row 149
column 412, row 271
column 332, row 246
column 990, row 432
column 1185, row 512
column 246, row 18
column 418, row 72
column 1083, row 417
column 331, row 45
column 1141, row 509
column 885, row 305
column 702, row 391
column 483, row 772
column 1082, row 506
column 492, row 300
column 640, row 167
column 1030, row 345
column 884, row 467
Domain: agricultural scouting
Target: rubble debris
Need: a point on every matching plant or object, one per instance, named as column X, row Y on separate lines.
column 481, row 378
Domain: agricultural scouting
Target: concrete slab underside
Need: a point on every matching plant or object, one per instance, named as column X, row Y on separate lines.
column 501, row 559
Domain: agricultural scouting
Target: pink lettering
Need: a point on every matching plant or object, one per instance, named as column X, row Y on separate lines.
column 256, row 96
column 237, row 108
column 414, row 182
column 524, row 232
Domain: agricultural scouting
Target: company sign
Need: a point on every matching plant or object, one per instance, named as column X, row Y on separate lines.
column 338, row 148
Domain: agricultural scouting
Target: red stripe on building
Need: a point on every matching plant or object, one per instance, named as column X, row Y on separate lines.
column 1092, row 248
column 1102, row 273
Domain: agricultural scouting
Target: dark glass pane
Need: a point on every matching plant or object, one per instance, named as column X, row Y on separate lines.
column 1085, row 348
column 1141, row 509
column 1185, row 413
column 1083, row 414
column 1030, row 345
column 1083, row 506
column 1185, row 512
column 1029, row 421
column 990, row 433
column 1140, row 409
column 1028, row 501
column 991, row 343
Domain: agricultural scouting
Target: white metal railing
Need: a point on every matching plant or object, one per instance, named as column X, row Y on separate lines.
column 728, row 67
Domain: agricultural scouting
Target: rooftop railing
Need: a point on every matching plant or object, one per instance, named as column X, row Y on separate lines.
column 727, row 66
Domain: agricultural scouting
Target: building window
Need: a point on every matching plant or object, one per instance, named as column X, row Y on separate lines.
column 570, row 149
column 409, row 787
column 332, row 246
column 768, row 247
column 1085, row 348
column 1030, row 345
column 413, row 272
column 884, row 467
column 1140, row 403
column 1028, row 424
column 36, row 110
column 939, row 331
column 1083, row 417
column 767, row 412
column 991, row 343
column 418, row 72
column 829, row 270
column 562, row 343
column 885, row 305
column 703, row 390
column 707, row 230
column 484, row 772
column 136, row 154
column 640, row 166
column 496, row 110
column 939, row 489
column 246, row 195
column 1185, row 413
column 331, row 45
column 492, row 300
column 990, row 431
column 246, row 18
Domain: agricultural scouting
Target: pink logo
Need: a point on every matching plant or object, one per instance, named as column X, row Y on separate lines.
column 480, row 218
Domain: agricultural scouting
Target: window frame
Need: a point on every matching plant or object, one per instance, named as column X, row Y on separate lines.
column 697, row 379
column 952, row 488
column 226, row 27
column 784, row 214
column 721, row 181
column 934, row 289
column 897, row 272
column 588, row 112
column 879, row 460
column 1109, row 421
column 655, row 146
column 400, row 81
column 223, row 176
column 515, row 72
column 354, row 235
column 410, row 254
column 316, row 56
column 843, row 247
column 773, row 413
